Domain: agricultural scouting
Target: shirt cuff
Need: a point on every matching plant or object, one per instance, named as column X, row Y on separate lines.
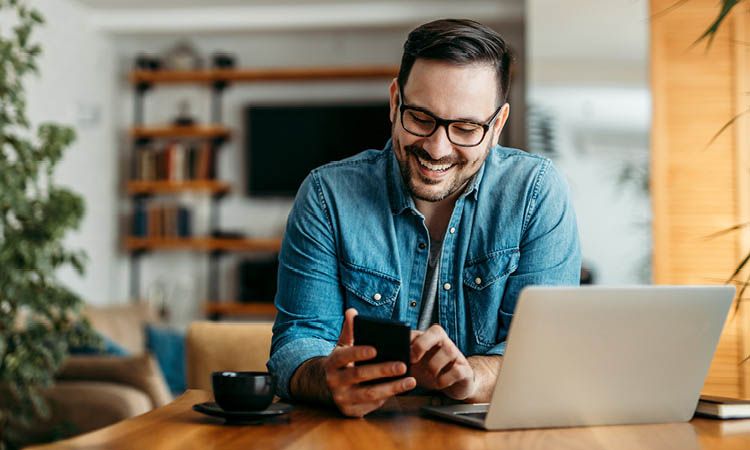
column 498, row 350
column 285, row 361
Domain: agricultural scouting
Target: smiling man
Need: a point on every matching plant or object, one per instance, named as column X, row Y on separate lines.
column 441, row 230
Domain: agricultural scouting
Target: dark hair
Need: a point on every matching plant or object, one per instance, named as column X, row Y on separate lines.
column 459, row 41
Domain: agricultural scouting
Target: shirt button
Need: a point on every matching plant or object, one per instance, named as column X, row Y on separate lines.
column 413, row 304
column 478, row 280
column 447, row 286
column 452, row 230
column 422, row 246
column 377, row 297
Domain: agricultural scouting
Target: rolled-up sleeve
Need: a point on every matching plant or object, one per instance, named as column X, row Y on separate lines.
column 309, row 300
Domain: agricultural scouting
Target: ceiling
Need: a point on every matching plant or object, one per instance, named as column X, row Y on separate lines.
column 168, row 16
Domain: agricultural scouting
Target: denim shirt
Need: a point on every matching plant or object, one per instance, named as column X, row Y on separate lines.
column 354, row 238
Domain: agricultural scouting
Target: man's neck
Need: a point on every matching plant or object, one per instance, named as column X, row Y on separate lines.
column 437, row 215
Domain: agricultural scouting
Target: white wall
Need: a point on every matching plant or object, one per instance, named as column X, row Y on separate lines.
column 76, row 88
column 588, row 70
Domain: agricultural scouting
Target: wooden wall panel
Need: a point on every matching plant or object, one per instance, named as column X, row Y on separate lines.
column 698, row 189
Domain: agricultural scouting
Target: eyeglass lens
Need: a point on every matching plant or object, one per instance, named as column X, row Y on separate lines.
column 460, row 133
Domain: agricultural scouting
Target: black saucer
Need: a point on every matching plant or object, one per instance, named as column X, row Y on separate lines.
column 235, row 417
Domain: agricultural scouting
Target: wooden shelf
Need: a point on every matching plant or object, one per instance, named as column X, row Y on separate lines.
column 172, row 131
column 170, row 187
column 204, row 244
column 240, row 309
column 262, row 74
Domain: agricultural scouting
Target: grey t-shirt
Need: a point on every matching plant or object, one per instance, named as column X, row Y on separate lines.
column 429, row 313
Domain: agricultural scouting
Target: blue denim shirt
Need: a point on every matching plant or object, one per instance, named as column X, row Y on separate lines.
column 354, row 238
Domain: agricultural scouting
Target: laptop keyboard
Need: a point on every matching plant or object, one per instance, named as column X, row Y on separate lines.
column 473, row 415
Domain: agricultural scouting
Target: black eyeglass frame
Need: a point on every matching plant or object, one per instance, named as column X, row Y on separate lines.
column 439, row 121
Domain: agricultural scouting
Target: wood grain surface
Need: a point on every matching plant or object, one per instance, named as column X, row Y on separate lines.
column 399, row 425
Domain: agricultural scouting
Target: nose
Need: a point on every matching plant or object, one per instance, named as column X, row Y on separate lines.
column 438, row 145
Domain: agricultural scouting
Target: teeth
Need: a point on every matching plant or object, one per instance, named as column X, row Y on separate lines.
column 435, row 167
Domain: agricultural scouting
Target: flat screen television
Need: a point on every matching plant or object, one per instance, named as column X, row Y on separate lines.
column 285, row 142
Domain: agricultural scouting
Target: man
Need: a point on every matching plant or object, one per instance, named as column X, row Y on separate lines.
column 441, row 229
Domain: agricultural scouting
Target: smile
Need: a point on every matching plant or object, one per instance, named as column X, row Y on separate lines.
column 434, row 167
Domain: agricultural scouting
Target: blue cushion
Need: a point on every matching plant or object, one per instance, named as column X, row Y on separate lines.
column 168, row 346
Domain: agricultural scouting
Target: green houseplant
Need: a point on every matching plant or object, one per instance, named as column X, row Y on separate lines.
column 39, row 316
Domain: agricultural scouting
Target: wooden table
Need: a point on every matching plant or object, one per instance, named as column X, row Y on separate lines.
column 398, row 425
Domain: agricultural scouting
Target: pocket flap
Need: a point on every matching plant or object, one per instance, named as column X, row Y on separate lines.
column 371, row 286
column 482, row 272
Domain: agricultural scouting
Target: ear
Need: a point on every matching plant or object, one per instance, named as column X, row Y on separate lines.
column 502, row 117
column 394, row 100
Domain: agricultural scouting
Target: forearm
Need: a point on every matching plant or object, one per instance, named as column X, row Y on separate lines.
column 486, row 369
column 308, row 383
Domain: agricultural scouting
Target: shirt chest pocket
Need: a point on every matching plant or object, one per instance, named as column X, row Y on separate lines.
column 370, row 292
column 484, row 284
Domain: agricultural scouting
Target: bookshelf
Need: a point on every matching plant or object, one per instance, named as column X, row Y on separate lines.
column 157, row 172
column 171, row 131
column 204, row 244
column 209, row 76
column 175, row 187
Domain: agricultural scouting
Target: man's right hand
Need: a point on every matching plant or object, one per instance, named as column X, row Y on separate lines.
column 344, row 379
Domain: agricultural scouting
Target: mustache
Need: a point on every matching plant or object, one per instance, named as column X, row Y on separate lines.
column 422, row 153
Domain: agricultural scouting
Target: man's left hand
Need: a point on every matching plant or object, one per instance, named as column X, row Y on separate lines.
column 438, row 364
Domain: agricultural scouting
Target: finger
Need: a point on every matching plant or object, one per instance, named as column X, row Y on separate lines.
column 358, row 374
column 347, row 330
column 434, row 336
column 456, row 374
column 414, row 334
column 382, row 391
column 444, row 357
column 341, row 356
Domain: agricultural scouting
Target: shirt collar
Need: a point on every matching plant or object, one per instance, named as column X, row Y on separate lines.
column 399, row 194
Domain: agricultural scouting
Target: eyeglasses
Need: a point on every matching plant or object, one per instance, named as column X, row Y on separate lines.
column 420, row 122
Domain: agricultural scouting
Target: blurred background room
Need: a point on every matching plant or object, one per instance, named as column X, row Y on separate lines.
column 196, row 121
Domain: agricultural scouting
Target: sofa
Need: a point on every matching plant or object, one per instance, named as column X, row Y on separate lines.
column 93, row 391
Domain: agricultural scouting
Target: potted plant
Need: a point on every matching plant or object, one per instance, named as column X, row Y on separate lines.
column 39, row 316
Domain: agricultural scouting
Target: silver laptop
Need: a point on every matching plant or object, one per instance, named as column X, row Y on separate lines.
column 579, row 356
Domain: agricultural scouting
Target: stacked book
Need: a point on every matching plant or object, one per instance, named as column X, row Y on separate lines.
column 177, row 161
column 161, row 221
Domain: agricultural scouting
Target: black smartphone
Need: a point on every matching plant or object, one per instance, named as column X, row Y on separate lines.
column 390, row 338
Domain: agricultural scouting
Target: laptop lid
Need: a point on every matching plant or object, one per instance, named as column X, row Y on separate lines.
column 607, row 355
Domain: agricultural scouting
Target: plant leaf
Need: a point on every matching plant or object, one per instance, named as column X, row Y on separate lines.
column 727, row 125
column 710, row 33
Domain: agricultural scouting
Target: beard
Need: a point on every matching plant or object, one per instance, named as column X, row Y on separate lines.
column 426, row 189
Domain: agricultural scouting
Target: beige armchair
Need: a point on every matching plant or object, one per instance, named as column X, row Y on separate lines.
column 214, row 346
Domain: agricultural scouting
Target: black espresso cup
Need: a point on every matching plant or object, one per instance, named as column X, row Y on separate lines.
column 242, row 391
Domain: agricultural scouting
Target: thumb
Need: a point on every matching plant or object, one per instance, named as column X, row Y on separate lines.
column 347, row 331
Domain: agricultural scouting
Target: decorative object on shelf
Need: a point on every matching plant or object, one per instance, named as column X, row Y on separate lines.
column 183, row 56
column 40, row 317
column 145, row 61
column 184, row 118
column 223, row 60
column 158, row 297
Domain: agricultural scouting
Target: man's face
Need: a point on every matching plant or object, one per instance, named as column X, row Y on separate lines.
column 433, row 167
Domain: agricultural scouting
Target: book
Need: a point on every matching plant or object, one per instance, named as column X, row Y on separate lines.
column 723, row 407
